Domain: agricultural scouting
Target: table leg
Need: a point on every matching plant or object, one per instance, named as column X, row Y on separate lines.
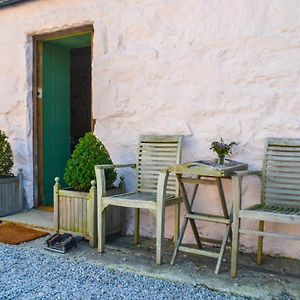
column 222, row 251
column 223, row 202
column 179, row 241
column 189, row 210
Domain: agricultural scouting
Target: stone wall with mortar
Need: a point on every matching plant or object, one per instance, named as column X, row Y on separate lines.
column 203, row 69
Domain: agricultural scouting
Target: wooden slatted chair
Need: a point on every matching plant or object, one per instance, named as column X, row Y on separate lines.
column 154, row 189
column 280, row 197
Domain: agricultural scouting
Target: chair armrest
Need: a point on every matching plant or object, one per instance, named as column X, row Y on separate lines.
column 237, row 178
column 106, row 167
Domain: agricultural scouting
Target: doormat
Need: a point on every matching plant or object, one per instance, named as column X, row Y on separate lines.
column 46, row 208
column 15, row 234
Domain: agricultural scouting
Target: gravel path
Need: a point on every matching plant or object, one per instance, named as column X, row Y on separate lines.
column 28, row 274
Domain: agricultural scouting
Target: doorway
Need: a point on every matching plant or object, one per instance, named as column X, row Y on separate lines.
column 63, row 105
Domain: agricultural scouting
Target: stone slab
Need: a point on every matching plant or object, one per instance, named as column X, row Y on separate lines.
column 32, row 218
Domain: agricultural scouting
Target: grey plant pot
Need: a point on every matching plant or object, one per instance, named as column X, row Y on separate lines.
column 11, row 194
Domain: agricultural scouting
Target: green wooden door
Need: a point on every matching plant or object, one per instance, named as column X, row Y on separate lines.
column 56, row 116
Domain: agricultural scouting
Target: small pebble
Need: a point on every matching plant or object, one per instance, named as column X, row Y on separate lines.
column 30, row 274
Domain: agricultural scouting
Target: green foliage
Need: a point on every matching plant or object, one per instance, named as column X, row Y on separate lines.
column 80, row 167
column 6, row 156
column 221, row 148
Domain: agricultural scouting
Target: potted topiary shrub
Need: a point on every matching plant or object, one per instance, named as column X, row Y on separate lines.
column 75, row 208
column 11, row 187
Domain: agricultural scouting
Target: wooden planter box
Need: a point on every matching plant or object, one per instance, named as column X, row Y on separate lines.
column 76, row 212
column 11, row 195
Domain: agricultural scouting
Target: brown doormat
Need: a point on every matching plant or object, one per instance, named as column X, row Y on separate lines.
column 46, row 208
column 15, row 234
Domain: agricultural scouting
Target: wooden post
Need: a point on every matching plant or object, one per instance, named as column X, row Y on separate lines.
column 56, row 204
column 260, row 243
column 123, row 209
column 237, row 193
column 136, row 225
column 21, row 183
column 176, row 222
column 160, row 213
column 92, row 218
column 101, row 188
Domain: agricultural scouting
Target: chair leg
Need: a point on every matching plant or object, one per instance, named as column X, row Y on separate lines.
column 136, row 225
column 176, row 222
column 160, row 225
column 160, row 213
column 235, row 247
column 101, row 230
column 260, row 243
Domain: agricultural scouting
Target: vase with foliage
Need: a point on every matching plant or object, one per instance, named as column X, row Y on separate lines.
column 222, row 149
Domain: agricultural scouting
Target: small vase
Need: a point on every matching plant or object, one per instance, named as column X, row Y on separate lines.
column 221, row 159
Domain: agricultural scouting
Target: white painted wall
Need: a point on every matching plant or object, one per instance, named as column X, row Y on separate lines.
column 200, row 68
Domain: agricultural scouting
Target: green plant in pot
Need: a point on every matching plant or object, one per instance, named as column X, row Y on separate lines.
column 6, row 156
column 11, row 186
column 79, row 171
column 222, row 149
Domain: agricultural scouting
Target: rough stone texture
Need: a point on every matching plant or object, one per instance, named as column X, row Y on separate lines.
column 204, row 69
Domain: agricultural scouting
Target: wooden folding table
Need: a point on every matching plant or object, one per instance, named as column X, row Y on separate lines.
column 204, row 172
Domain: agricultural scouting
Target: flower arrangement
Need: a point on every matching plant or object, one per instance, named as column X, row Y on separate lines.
column 222, row 149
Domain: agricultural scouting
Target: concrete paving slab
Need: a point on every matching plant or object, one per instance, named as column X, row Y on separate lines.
column 32, row 218
column 278, row 278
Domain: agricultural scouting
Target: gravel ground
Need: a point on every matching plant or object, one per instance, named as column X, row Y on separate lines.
column 28, row 274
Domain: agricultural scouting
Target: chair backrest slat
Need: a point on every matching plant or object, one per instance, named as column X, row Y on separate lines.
column 156, row 153
column 281, row 176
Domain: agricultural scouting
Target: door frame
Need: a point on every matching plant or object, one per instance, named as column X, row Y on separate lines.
column 37, row 137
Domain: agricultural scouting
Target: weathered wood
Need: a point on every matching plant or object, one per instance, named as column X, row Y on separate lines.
column 236, row 198
column 271, row 234
column 260, row 243
column 101, row 189
column 76, row 212
column 208, row 218
column 160, row 214
column 270, row 216
column 189, row 211
column 198, row 181
column 154, row 154
column 199, row 252
column 280, row 196
column 56, row 205
column 222, row 251
column 106, row 167
column 93, row 215
column 137, row 225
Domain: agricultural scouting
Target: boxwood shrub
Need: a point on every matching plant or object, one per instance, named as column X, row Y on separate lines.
column 6, row 156
column 79, row 171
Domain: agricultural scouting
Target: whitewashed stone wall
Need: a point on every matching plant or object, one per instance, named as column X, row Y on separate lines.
column 200, row 68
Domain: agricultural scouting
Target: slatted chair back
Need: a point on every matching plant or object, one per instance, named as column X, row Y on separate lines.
column 281, row 173
column 156, row 153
